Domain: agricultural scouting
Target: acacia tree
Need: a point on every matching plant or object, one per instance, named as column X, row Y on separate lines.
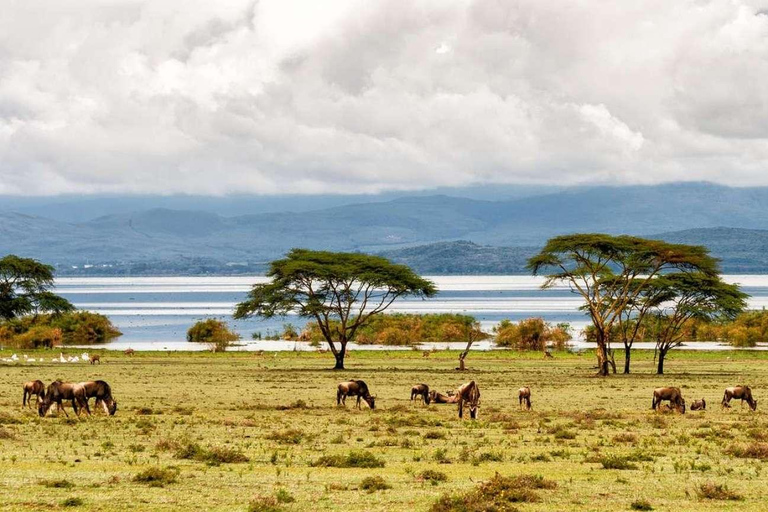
column 25, row 289
column 340, row 291
column 611, row 272
column 683, row 297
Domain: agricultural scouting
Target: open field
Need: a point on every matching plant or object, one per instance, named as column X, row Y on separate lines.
column 192, row 413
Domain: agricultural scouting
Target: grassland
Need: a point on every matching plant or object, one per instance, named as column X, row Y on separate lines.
column 232, row 431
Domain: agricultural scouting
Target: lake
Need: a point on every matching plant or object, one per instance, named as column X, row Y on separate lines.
column 154, row 313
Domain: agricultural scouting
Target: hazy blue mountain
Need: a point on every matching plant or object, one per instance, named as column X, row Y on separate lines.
column 196, row 238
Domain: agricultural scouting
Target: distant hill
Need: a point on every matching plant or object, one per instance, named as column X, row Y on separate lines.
column 502, row 232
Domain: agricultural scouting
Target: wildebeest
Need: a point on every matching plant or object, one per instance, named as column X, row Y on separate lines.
column 129, row 351
column 524, row 395
column 674, row 396
column 33, row 388
column 468, row 393
column 421, row 390
column 356, row 388
column 742, row 393
column 95, row 358
column 58, row 391
column 101, row 391
column 439, row 398
column 699, row 405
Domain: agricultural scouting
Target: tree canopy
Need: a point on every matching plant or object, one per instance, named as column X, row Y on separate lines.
column 25, row 289
column 340, row 291
column 611, row 273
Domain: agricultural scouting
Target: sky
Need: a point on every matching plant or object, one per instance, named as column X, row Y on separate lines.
column 362, row 96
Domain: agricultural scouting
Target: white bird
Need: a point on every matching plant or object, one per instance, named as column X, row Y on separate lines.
column 84, row 356
column 62, row 359
column 14, row 357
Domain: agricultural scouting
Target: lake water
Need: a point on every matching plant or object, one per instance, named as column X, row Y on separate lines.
column 154, row 313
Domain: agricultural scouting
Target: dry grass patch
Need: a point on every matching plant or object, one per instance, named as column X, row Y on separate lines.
column 500, row 493
column 712, row 491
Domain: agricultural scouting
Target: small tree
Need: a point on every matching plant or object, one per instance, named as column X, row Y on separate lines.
column 611, row 272
column 684, row 297
column 215, row 333
column 473, row 333
column 25, row 289
column 531, row 334
column 340, row 291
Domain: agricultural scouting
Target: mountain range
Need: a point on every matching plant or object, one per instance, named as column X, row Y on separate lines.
column 435, row 234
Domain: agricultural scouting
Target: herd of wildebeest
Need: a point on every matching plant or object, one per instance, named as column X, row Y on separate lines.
column 466, row 395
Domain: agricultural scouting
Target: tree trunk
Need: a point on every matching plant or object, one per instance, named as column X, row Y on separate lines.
column 340, row 357
column 660, row 367
column 602, row 358
column 627, row 357
column 461, row 361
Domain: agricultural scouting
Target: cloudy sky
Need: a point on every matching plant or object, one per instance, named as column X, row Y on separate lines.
column 275, row 96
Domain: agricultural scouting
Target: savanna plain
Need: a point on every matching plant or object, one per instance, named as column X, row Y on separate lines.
column 262, row 432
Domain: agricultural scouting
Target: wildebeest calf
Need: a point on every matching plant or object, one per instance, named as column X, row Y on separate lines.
column 32, row 388
column 421, row 390
column 699, row 405
column 356, row 388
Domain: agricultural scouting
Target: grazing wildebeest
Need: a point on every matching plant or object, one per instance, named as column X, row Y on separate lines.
column 101, row 391
column 699, row 405
column 439, row 398
column 742, row 393
column 129, row 351
column 421, row 390
column 468, row 393
column 356, row 388
column 58, row 391
column 33, row 388
column 95, row 358
column 524, row 395
column 674, row 396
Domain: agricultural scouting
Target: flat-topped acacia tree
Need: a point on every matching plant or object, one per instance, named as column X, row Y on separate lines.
column 611, row 273
column 340, row 291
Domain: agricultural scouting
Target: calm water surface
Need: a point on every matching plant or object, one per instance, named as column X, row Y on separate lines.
column 154, row 313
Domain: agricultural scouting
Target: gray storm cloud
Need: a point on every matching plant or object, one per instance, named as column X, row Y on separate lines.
column 158, row 96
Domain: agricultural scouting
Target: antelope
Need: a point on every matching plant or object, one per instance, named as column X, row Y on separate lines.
column 356, row 388
column 95, row 358
column 674, row 396
column 32, row 388
column 742, row 393
column 524, row 395
column 421, row 390
column 129, row 351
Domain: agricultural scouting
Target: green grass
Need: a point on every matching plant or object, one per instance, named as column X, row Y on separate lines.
column 245, row 431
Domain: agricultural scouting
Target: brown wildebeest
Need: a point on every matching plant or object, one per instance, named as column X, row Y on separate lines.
column 33, row 388
column 356, row 388
column 439, row 398
column 699, row 405
column 524, row 395
column 548, row 355
column 58, row 391
column 742, row 393
column 468, row 393
column 421, row 390
column 101, row 391
column 95, row 358
column 674, row 396
column 129, row 351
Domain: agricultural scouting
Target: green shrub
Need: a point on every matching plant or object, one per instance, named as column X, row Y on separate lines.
column 354, row 459
column 711, row 491
column 640, row 505
column 73, row 328
column 156, row 477
column 214, row 332
column 531, row 334
column 72, row 502
column 57, row 484
column 283, row 496
column 373, row 484
column 432, row 476
column 264, row 504
column 499, row 493
column 616, row 462
column 213, row 456
column 290, row 436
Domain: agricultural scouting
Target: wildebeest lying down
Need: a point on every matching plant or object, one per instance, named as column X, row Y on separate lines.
column 699, row 405
column 674, row 396
column 32, row 388
column 468, row 393
column 524, row 395
column 421, row 390
column 58, row 391
column 356, row 388
column 101, row 391
column 742, row 393
column 439, row 398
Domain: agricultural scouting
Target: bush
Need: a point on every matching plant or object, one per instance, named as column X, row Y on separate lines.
column 749, row 451
column 616, row 462
column 77, row 327
column 214, row 456
column 264, row 504
column 57, row 484
column 354, row 459
column 531, row 334
column 283, row 496
column 214, row 332
column 499, row 493
column 290, row 436
column 432, row 476
column 156, row 477
column 711, row 491
column 373, row 484
column 72, row 502
column 640, row 505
